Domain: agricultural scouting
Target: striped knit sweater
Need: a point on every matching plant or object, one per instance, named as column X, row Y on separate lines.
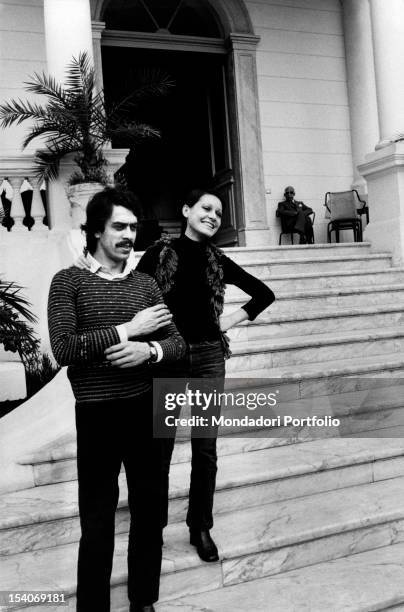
column 83, row 311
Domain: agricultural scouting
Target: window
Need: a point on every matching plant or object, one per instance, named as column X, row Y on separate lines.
column 177, row 17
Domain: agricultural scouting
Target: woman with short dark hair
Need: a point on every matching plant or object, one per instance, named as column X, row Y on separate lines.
column 192, row 274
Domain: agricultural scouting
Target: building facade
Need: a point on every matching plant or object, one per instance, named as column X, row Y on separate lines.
column 267, row 93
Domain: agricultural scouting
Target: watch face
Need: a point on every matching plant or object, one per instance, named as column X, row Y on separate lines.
column 153, row 353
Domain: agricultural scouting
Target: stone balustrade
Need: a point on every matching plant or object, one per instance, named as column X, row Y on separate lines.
column 28, row 205
column 21, row 197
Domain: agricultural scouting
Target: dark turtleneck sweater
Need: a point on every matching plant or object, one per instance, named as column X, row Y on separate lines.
column 189, row 299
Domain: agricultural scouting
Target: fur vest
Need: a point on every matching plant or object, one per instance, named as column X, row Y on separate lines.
column 167, row 267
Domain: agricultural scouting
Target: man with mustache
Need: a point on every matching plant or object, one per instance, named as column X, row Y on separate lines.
column 108, row 324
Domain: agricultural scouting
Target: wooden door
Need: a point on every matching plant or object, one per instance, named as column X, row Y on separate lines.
column 220, row 152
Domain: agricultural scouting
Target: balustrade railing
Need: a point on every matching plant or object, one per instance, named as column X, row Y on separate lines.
column 23, row 196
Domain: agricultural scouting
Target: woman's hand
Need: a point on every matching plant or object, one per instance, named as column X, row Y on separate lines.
column 149, row 320
column 230, row 320
column 128, row 354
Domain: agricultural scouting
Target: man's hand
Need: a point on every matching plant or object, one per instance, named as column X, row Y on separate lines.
column 149, row 320
column 128, row 354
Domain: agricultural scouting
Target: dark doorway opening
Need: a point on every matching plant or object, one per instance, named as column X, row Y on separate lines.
column 194, row 149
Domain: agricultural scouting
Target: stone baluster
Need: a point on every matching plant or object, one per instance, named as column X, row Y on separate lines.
column 17, row 212
column 37, row 207
column 2, row 211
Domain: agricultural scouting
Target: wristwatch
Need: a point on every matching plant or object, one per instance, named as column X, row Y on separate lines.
column 153, row 353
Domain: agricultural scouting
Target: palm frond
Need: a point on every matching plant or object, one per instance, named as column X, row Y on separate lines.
column 80, row 73
column 51, row 130
column 153, row 82
column 17, row 111
column 46, row 85
column 47, row 161
column 134, row 132
column 10, row 295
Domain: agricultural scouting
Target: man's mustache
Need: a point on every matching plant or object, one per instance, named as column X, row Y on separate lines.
column 125, row 243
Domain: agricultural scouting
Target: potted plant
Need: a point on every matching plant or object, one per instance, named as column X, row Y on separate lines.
column 76, row 122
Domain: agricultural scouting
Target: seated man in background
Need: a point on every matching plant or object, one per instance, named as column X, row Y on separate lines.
column 295, row 216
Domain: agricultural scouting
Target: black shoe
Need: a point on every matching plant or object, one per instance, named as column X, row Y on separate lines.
column 137, row 608
column 205, row 546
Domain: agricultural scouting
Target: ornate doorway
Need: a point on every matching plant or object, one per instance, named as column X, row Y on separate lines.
column 210, row 48
column 195, row 148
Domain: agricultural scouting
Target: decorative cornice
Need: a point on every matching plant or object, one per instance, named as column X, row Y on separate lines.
column 245, row 42
column 97, row 28
column 115, row 157
column 388, row 158
column 16, row 165
column 158, row 40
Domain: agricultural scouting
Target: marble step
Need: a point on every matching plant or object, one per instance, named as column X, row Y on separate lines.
column 269, row 325
column 369, row 581
column 364, row 410
column 324, row 299
column 47, row 516
column 314, row 280
column 288, row 351
column 242, row 255
column 337, row 376
column 325, row 263
column 254, row 543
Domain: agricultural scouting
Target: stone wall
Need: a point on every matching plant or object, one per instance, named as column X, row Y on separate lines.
column 22, row 52
column 303, row 100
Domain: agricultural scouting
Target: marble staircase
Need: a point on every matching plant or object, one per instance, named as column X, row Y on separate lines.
column 303, row 521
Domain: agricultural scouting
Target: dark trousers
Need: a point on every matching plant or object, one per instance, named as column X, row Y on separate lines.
column 110, row 433
column 203, row 360
column 304, row 226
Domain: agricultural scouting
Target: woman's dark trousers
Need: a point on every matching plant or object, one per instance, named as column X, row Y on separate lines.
column 110, row 433
column 203, row 360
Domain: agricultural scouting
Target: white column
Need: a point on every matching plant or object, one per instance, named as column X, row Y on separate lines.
column 388, row 41
column 67, row 33
column 361, row 84
column 97, row 29
column 384, row 173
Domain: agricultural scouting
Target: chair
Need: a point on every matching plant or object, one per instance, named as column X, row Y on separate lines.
column 288, row 231
column 345, row 212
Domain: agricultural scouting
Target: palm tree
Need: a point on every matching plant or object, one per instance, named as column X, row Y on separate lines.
column 15, row 334
column 75, row 119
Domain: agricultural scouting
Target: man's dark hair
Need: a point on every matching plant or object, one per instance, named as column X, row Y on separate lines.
column 99, row 210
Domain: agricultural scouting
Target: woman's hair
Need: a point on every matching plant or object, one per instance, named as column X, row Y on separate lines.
column 192, row 198
column 99, row 210
column 196, row 194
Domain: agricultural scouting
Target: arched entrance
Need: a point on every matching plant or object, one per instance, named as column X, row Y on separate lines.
column 206, row 126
